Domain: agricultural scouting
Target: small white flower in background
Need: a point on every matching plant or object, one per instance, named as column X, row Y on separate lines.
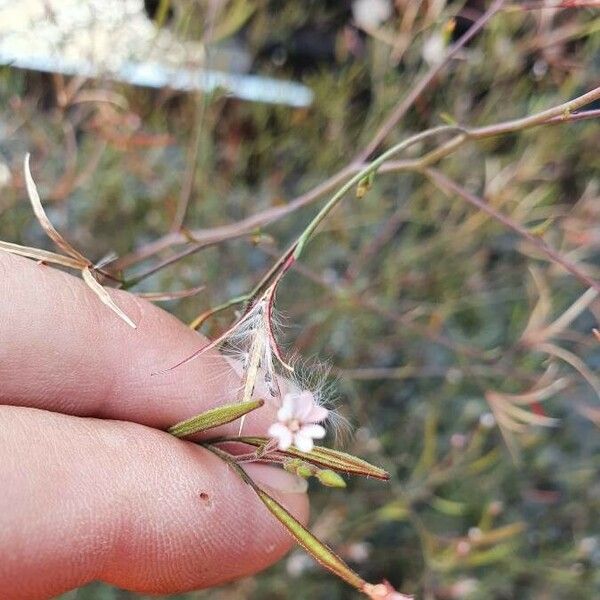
column 297, row 422
column 359, row 552
column 588, row 545
column 487, row 420
column 434, row 49
column 370, row 14
column 463, row 588
column 298, row 563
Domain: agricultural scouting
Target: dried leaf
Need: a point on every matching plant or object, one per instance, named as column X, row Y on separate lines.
column 104, row 296
column 541, row 310
column 540, row 393
column 569, row 315
column 41, row 255
column 213, row 418
column 592, row 413
column 574, row 361
column 164, row 296
column 47, row 226
column 530, row 418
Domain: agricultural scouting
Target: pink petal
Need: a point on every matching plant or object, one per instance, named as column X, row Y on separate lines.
column 305, row 402
column 313, row 431
column 287, row 411
column 304, row 443
column 282, row 434
column 317, row 414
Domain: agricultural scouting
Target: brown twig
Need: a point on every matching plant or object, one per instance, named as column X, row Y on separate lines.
column 417, row 89
column 214, row 8
column 446, row 184
column 566, row 4
column 273, row 214
column 236, row 230
column 563, row 113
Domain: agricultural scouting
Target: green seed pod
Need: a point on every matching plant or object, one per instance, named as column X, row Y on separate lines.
column 298, row 467
column 292, row 465
column 330, row 478
column 305, row 471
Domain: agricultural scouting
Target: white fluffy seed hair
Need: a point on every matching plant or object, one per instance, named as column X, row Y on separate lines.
column 309, row 373
column 240, row 340
column 315, row 376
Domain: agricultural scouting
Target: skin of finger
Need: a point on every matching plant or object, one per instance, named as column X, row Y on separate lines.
column 61, row 349
column 87, row 499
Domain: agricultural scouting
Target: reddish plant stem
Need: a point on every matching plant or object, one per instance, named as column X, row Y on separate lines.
column 566, row 4
column 165, row 263
column 236, row 230
column 563, row 113
column 417, row 90
column 446, row 184
column 229, row 232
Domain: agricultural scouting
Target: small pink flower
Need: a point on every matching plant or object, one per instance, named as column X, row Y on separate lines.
column 297, row 422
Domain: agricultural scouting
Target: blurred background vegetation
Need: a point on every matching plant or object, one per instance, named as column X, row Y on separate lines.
column 418, row 301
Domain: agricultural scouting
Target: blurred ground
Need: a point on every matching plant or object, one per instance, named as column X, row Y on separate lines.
column 418, row 301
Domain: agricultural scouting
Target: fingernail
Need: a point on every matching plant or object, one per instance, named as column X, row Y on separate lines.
column 276, row 479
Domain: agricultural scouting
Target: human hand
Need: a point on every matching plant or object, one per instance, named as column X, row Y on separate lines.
column 90, row 486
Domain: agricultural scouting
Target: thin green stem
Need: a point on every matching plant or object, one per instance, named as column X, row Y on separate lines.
column 365, row 172
column 217, row 309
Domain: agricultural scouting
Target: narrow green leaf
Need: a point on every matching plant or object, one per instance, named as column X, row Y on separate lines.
column 448, row 507
column 326, row 458
column 540, row 229
column 42, row 255
column 315, row 547
column 214, row 417
column 324, row 555
column 483, row 558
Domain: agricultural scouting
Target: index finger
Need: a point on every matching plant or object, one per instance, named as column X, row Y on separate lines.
column 62, row 350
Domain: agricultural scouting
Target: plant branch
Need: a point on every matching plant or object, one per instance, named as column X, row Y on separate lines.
column 446, row 184
column 563, row 113
column 417, row 89
column 175, row 237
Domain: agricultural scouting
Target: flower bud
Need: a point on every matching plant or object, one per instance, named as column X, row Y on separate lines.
column 330, row 478
column 298, row 467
